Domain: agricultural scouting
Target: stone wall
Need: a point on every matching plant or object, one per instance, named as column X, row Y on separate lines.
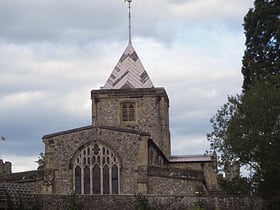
column 132, row 149
column 175, row 181
column 129, row 145
column 17, row 194
column 172, row 186
column 37, row 181
column 208, row 168
column 5, row 167
column 126, row 202
column 152, row 113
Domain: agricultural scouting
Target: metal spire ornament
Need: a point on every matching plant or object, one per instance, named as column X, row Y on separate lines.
column 129, row 20
column 129, row 72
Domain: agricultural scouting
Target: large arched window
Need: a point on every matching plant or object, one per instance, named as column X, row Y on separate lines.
column 96, row 170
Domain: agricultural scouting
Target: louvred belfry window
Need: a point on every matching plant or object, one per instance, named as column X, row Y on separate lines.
column 96, row 171
column 128, row 112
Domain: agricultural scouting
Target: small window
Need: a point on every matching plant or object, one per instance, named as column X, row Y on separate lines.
column 128, row 112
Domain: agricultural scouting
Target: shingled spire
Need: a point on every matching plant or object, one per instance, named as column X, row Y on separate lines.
column 129, row 71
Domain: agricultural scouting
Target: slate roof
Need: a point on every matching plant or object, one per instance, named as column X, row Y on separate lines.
column 129, row 72
column 16, row 193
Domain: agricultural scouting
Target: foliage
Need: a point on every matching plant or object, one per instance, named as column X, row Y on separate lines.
column 72, row 202
column 141, row 202
column 41, row 161
column 199, row 205
column 255, row 132
column 218, row 137
column 262, row 30
column 272, row 204
column 36, row 205
column 247, row 128
column 251, row 134
column 236, row 186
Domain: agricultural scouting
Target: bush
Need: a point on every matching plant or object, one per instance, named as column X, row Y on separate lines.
column 141, row 202
column 72, row 202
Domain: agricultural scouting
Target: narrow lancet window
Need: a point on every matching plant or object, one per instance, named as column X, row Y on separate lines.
column 96, row 180
column 87, row 180
column 78, row 180
column 115, row 179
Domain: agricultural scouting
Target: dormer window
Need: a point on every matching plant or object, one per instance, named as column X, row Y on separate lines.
column 128, row 112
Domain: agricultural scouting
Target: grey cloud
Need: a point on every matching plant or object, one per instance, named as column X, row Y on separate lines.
column 23, row 126
column 25, row 21
column 31, row 21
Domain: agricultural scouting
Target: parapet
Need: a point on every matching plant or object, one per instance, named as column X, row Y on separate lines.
column 5, row 167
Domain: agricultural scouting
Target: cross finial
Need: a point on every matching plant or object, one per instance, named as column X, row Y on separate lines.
column 129, row 20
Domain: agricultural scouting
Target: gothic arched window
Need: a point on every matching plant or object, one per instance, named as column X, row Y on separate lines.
column 96, row 171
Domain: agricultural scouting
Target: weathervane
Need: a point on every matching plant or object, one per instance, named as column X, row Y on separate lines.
column 129, row 20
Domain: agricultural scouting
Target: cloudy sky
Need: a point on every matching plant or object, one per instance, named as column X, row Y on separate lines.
column 52, row 53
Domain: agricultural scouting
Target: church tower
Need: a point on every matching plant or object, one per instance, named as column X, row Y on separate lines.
column 129, row 100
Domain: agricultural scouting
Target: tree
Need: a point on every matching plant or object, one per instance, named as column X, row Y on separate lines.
column 262, row 31
column 258, row 124
column 247, row 128
column 41, row 161
column 218, row 137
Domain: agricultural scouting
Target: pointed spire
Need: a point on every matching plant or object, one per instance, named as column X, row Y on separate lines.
column 129, row 71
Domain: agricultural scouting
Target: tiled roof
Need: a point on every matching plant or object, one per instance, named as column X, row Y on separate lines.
column 129, row 72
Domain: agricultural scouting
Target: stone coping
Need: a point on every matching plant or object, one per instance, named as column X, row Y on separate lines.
column 119, row 129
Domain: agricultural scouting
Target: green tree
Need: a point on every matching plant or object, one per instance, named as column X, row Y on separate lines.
column 41, row 161
column 247, row 128
column 218, row 137
column 255, row 130
column 262, row 31
column 236, row 186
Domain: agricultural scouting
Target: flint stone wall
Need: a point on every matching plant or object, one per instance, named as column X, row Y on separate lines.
column 5, row 167
column 151, row 112
column 62, row 147
column 126, row 202
column 33, row 180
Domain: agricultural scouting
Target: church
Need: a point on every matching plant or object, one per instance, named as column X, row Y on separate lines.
column 127, row 148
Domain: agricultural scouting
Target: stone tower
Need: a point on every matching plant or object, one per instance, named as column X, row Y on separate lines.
column 142, row 109
column 130, row 100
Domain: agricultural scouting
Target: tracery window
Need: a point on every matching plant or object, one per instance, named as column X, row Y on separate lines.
column 128, row 112
column 96, row 171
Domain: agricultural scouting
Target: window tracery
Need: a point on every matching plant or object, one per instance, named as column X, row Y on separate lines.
column 96, row 171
